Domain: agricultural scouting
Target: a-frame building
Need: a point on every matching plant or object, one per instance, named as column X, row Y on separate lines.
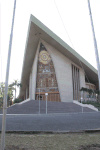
column 52, row 66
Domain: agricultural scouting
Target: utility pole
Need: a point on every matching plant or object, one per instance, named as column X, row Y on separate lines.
column 6, row 86
column 95, row 45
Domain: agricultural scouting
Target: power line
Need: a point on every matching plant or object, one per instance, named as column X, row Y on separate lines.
column 63, row 23
column 69, row 37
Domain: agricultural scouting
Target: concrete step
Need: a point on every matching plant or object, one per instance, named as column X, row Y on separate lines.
column 32, row 107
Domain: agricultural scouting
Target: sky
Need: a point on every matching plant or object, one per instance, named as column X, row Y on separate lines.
column 76, row 19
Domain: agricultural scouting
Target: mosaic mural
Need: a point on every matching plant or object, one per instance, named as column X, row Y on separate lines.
column 46, row 77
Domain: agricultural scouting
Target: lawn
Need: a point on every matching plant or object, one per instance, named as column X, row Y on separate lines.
column 69, row 141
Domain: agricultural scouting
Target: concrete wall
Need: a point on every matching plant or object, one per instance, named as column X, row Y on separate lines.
column 30, row 86
column 82, row 78
column 63, row 72
column 63, row 69
column 33, row 75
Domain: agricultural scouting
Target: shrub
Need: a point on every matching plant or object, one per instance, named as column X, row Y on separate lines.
column 17, row 100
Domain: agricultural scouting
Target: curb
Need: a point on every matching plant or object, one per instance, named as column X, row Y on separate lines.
column 92, row 131
column 53, row 132
column 72, row 113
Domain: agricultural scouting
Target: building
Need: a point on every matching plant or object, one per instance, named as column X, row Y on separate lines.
column 52, row 66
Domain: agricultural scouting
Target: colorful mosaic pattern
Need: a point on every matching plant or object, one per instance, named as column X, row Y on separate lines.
column 46, row 77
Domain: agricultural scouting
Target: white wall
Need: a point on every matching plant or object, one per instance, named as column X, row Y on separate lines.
column 33, row 75
column 82, row 78
column 30, row 86
column 63, row 69
column 63, row 72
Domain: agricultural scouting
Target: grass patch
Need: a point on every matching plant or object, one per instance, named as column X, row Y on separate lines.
column 69, row 141
column 95, row 104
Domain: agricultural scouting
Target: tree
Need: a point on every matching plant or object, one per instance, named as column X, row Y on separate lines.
column 2, row 93
column 16, row 84
column 90, row 91
column 9, row 94
column 84, row 90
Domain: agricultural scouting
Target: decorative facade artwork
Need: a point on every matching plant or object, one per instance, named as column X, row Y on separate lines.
column 44, row 57
column 46, row 77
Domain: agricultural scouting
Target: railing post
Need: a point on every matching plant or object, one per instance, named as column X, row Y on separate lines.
column 46, row 94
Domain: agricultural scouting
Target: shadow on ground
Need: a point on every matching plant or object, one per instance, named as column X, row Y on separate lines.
column 12, row 147
column 90, row 147
column 87, row 147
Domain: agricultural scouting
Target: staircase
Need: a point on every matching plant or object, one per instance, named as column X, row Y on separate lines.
column 32, row 107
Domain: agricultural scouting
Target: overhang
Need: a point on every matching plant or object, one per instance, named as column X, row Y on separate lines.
column 36, row 31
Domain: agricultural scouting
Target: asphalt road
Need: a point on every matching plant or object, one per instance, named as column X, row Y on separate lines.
column 52, row 122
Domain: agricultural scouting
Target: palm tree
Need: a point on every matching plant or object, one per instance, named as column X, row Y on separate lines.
column 83, row 90
column 90, row 91
column 16, row 84
column 10, row 94
column 97, row 92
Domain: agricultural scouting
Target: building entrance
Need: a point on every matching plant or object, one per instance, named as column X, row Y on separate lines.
column 52, row 96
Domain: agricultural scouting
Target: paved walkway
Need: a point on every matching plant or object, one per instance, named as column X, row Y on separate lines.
column 53, row 122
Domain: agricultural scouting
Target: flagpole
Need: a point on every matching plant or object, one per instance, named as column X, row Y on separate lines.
column 95, row 45
column 6, row 85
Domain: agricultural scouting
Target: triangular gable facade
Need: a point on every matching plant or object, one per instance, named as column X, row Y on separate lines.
column 69, row 72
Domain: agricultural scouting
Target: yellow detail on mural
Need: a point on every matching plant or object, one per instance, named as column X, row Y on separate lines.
column 44, row 57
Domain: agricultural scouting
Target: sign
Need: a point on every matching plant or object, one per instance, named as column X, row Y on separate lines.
column 46, row 93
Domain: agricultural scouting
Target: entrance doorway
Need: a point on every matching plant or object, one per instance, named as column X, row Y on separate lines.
column 52, row 96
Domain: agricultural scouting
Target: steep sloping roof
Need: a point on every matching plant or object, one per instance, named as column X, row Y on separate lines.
column 36, row 31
